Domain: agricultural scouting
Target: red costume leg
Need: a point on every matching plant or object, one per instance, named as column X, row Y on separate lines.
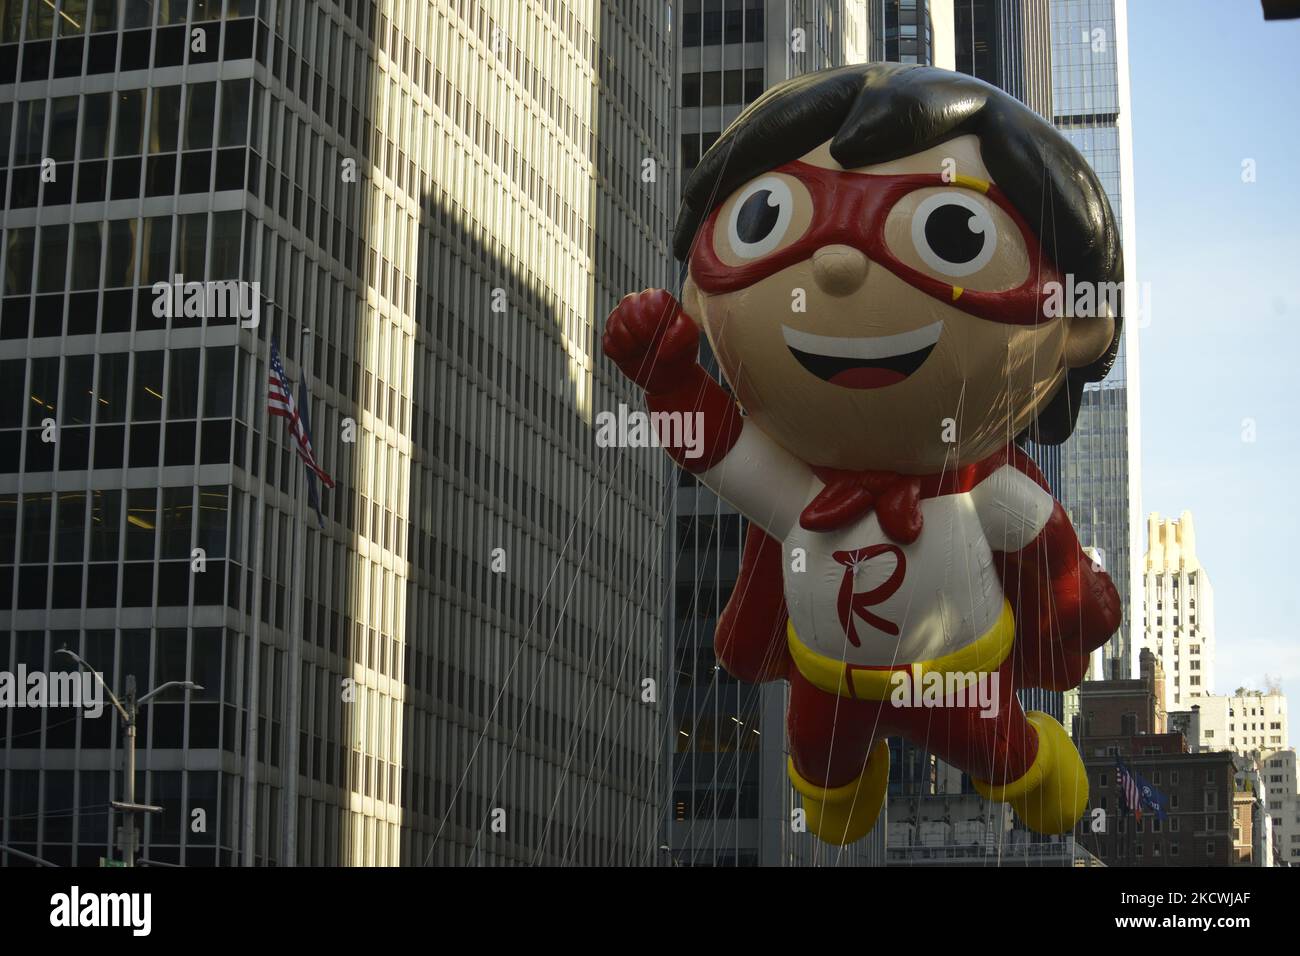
column 830, row 737
column 998, row 749
column 839, row 761
column 1028, row 760
column 750, row 641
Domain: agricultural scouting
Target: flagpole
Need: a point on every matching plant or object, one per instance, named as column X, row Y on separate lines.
column 256, row 507
column 289, row 768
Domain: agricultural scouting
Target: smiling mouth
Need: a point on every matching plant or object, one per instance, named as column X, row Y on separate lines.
column 863, row 362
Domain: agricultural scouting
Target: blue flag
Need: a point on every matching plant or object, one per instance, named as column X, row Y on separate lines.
column 1152, row 798
column 304, row 412
column 1138, row 793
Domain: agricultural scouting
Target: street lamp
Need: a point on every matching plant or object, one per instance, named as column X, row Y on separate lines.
column 130, row 712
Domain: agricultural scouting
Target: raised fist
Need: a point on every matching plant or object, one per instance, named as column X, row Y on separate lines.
column 652, row 341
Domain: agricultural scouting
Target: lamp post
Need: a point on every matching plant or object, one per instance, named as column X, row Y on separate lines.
column 129, row 713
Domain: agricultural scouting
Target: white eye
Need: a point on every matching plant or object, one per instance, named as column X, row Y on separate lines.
column 760, row 218
column 954, row 233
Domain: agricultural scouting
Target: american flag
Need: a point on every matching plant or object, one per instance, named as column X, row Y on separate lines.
column 280, row 402
column 1128, row 784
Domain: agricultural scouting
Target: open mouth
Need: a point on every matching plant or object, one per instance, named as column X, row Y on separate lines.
column 870, row 362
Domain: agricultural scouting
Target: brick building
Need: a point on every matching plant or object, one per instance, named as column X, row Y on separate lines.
column 1206, row 824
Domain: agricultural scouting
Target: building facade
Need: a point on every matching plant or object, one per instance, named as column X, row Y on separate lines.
column 1205, row 825
column 1242, row 724
column 963, row 829
column 911, row 31
column 438, row 202
column 1101, row 463
column 1007, row 43
column 1248, row 722
column 1277, row 771
column 1250, row 788
column 1178, row 603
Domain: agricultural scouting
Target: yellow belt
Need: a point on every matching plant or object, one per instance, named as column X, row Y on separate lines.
column 876, row 682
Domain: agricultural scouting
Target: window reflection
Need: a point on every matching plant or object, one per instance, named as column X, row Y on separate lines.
column 44, row 394
column 78, row 379
column 11, row 21
column 94, row 125
column 8, row 529
column 6, row 125
column 234, row 112
column 199, row 115
column 18, row 260
column 164, row 119
column 130, row 122
column 40, row 21
column 63, row 128
column 121, row 254
column 218, row 382
column 13, row 376
column 139, row 13
column 178, row 509
column 183, row 391
column 193, row 246
column 110, row 392
column 105, row 524
column 71, row 533
column 157, row 249
column 171, row 11
column 29, row 147
column 141, row 524
column 105, row 15
column 205, row 10
column 225, row 246
column 72, row 18
column 86, row 255
column 54, row 259
column 36, row 529
column 147, row 400
column 213, row 505
column 703, row 733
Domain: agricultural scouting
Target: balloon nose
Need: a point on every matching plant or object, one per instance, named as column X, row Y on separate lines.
column 839, row 270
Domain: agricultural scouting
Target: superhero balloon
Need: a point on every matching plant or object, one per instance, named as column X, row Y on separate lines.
column 904, row 274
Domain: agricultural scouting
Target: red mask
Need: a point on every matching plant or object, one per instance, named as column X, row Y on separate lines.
column 851, row 209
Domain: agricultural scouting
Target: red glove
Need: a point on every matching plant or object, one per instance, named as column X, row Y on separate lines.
column 657, row 346
column 652, row 341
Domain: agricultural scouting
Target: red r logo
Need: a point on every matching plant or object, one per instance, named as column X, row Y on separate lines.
column 850, row 603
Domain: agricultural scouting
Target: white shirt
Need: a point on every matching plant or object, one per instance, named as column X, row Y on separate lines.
column 910, row 602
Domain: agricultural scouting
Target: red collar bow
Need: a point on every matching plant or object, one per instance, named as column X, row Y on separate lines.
column 896, row 498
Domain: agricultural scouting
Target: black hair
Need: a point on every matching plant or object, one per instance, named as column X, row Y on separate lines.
column 877, row 112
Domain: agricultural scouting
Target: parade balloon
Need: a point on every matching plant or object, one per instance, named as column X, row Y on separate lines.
column 907, row 277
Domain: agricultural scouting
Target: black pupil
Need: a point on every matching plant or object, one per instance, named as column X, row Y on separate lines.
column 950, row 231
column 757, row 218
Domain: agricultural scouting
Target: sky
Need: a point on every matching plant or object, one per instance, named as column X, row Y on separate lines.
column 1214, row 85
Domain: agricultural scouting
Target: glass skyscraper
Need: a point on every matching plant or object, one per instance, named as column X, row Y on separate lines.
column 902, row 31
column 1006, row 43
column 1100, row 464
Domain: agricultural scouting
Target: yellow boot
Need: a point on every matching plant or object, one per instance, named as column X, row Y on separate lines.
column 1053, row 793
column 842, row 815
